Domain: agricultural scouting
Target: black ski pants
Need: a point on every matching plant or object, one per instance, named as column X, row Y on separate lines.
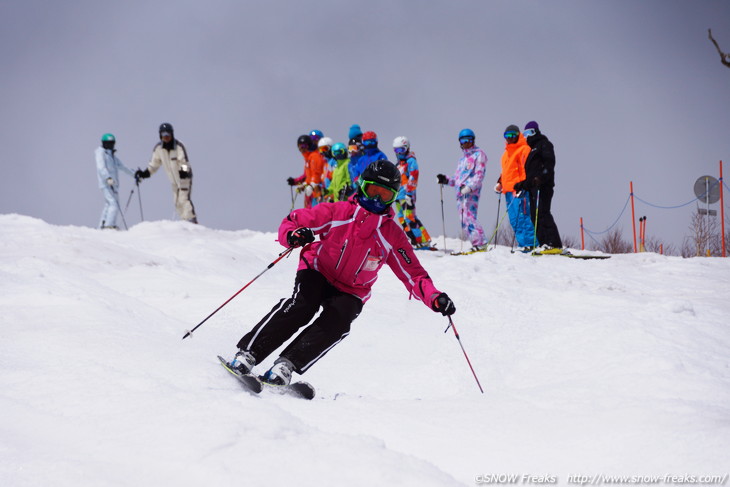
column 311, row 291
column 542, row 218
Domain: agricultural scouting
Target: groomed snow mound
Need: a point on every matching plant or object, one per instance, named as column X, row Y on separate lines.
column 618, row 366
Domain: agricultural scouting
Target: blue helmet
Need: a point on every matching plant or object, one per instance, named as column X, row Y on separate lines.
column 316, row 135
column 467, row 133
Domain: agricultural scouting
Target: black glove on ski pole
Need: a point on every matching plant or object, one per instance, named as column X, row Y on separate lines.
column 281, row 256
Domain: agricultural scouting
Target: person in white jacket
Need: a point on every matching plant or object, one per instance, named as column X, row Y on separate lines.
column 107, row 171
column 170, row 153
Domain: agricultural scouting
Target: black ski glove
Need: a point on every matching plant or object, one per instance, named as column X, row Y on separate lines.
column 300, row 236
column 184, row 174
column 140, row 174
column 444, row 305
column 520, row 186
column 291, row 181
column 442, row 178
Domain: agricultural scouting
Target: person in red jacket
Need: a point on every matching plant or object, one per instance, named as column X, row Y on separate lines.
column 357, row 238
column 312, row 180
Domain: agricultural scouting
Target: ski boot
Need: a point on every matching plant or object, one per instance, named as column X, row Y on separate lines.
column 279, row 374
column 243, row 362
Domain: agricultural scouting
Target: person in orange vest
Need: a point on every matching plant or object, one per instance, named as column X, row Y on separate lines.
column 518, row 202
column 311, row 181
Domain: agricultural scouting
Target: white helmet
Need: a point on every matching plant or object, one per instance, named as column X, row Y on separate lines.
column 325, row 141
column 401, row 142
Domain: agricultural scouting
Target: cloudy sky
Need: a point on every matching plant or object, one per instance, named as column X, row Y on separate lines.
column 626, row 90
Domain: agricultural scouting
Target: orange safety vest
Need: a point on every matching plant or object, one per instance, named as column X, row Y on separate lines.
column 513, row 164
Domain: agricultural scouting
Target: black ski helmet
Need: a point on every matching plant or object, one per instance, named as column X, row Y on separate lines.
column 306, row 140
column 382, row 172
column 167, row 127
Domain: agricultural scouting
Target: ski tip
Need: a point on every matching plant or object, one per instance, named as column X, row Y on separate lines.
column 188, row 333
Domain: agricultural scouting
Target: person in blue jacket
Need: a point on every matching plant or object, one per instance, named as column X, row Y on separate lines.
column 354, row 148
column 107, row 171
column 370, row 154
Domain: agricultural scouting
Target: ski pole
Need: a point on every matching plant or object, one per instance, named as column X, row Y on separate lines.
column 496, row 224
column 116, row 200
column 281, row 256
column 499, row 224
column 443, row 218
column 294, row 197
column 139, row 197
column 537, row 212
column 456, row 334
column 129, row 200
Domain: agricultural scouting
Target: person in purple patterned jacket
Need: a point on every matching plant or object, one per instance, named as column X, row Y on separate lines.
column 468, row 180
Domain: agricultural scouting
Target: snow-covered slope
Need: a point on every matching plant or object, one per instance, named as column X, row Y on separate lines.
column 620, row 366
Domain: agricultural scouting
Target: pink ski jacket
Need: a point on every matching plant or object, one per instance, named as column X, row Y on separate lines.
column 353, row 245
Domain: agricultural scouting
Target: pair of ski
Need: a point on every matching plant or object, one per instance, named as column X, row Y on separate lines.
column 565, row 253
column 469, row 252
column 254, row 385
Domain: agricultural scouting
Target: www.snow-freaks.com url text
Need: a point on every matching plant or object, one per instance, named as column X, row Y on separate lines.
column 601, row 479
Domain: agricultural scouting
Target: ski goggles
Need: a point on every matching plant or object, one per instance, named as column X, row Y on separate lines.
column 369, row 143
column 374, row 190
column 339, row 154
column 400, row 150
column 511, row 135
column 324, row 148
column 466, row 140
column 529, row 132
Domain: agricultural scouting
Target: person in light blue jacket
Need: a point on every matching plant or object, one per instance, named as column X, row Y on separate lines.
column 107, row 171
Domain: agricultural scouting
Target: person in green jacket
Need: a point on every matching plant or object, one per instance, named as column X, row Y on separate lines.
column 341, row 186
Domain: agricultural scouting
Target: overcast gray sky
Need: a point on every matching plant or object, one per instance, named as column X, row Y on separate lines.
column 626, row 90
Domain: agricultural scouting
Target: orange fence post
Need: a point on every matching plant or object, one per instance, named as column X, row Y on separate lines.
column 633, row 215
column 582, row 237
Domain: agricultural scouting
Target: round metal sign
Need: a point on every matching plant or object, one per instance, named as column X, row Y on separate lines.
column 707, row 189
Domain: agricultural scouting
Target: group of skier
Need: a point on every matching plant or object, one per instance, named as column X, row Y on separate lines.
column 168, row 153
column 331, row 173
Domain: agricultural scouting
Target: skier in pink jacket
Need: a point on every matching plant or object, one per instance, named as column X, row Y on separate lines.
column 336, row 273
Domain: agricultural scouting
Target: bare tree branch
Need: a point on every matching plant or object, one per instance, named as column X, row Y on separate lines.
column 724, row 57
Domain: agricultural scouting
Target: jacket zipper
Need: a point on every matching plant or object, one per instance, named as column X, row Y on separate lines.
column 342, row 252
column 367, row 254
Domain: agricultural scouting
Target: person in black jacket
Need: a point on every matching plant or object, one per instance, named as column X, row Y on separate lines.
column 539, row 182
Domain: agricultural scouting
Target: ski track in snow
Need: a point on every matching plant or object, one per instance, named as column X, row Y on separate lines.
column 619, row 366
